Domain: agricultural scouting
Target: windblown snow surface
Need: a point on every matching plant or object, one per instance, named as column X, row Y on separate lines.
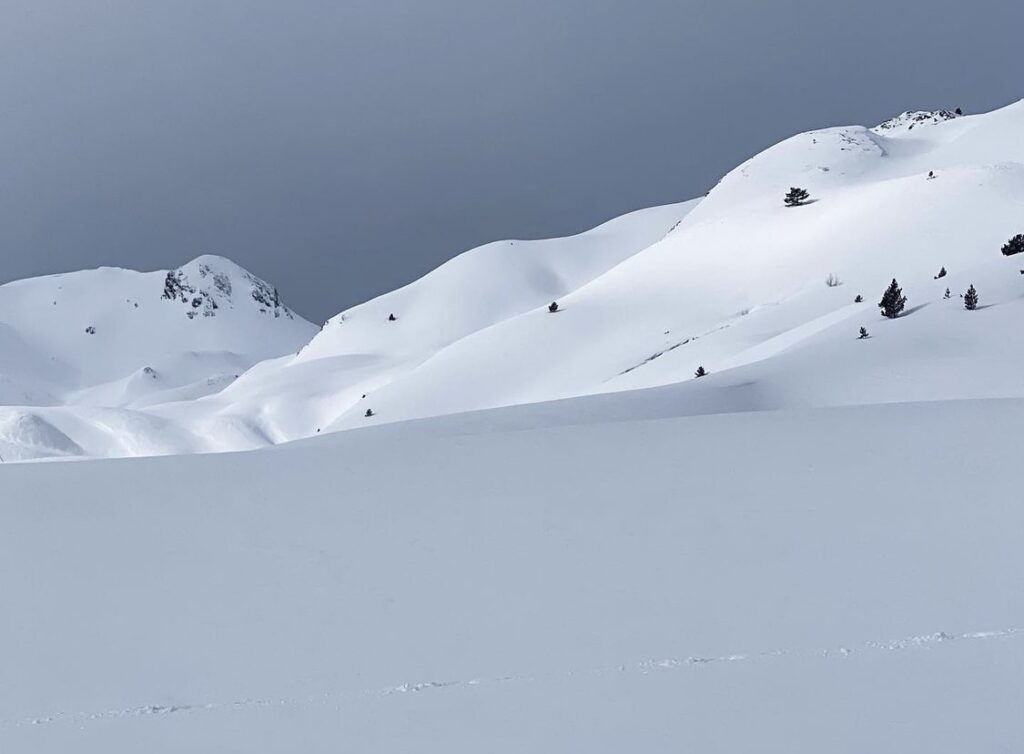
column 812, row 580
column 548, row 536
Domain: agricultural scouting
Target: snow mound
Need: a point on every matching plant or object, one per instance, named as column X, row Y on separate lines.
column 25, row 435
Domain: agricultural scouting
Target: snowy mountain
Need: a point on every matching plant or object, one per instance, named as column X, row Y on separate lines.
column 100, row 344
column 734, row 282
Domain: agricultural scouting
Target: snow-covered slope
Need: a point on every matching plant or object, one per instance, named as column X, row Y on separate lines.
column 743, row 277
column 733, row 282
column 832, row 580
column 738, row 281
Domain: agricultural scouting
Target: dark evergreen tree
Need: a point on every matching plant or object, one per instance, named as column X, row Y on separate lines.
column 391, row 318
column 958, row 111
column 1014, row 246
column 942, row 274
column 971, row 299
column 946, row 295
column 796, row 196
column 893, row 300
column 369, row 413
column 553, row 307
column 701, row 372
column 859, row 299
column 863, row 333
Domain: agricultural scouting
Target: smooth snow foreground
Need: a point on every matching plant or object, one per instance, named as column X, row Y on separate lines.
column 816, row 580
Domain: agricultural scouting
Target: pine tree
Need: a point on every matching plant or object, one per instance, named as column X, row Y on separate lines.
column 859, row 299
column 942, row 273
column 391, row 318
column 796, row 197
column 893, row 300
column 971, row 299
column 369, row 413
column 701, row 372
column 946, row 294
column 1014, row 246
column 553, row 307
column 863, row 333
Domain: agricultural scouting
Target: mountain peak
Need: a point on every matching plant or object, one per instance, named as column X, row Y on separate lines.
column 210, row 282
column 908, row 120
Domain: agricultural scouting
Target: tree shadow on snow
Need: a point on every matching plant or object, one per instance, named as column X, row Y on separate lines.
column 913, row 309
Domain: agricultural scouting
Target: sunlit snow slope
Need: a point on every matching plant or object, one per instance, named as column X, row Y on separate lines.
column 738, row 286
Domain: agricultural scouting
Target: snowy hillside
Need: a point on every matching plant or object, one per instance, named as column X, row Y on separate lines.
column 738, row 286
column 734, row 282
column 742, row 280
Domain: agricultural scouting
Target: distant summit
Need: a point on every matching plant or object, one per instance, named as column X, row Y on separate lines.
column 116, row 338
column 908, row 120
column 209, row 282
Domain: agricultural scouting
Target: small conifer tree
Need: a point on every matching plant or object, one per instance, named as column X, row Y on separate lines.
column 701, row 371
column 893, row 300
column 553, row 307
column 1014, row 246
column 859, row 299
column 796, row 196
column 369, row 413
column 947, row 294
column 863, row 333
column 942, row 273
column 971, row 299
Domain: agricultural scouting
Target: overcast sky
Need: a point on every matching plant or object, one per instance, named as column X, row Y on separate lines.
column 341, row 148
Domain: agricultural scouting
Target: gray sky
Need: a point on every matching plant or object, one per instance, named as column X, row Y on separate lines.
column 340, row 148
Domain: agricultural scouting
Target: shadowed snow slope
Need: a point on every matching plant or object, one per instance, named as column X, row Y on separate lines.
column 828, row 580
column 734, row 282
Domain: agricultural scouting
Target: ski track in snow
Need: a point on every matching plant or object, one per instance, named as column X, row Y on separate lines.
column 922, row 641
